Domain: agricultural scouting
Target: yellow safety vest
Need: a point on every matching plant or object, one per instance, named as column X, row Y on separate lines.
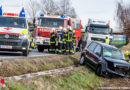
column 107, row 41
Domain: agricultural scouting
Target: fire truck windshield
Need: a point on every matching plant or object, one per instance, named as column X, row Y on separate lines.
column 13, row 22
column 51, row 22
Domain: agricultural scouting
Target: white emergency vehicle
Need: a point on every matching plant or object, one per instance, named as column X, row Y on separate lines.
column 14, row 34
column 97, row 30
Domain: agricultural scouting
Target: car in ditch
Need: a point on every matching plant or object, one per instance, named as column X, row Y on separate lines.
column 105, row 59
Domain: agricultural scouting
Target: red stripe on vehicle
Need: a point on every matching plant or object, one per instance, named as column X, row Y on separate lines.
column 9, row 33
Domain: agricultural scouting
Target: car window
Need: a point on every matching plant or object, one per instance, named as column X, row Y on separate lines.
column 98, row 49
column 92, row 46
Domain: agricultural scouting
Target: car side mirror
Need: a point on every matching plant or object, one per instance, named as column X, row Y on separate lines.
column 97, row 53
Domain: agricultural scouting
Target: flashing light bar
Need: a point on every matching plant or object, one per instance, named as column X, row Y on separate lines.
column 42, row 15
column 62, row 16
column 0, row 10
column 22, row 13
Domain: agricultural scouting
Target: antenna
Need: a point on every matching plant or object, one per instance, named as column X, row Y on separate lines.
column 22, row 3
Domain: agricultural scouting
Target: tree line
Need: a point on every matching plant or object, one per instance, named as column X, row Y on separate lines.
column 53, row 7
column 123, row 18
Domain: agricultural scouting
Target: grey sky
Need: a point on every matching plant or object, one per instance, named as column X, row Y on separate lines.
column 95, row 9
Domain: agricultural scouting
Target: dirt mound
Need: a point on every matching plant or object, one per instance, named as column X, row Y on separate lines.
column 126, row 48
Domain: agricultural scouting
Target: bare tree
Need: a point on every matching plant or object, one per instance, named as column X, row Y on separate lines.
column 123, row 18
column 49, row 6
column 33, row 10
column 67, row 9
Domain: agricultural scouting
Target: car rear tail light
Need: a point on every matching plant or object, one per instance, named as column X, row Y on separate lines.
column 87, row 53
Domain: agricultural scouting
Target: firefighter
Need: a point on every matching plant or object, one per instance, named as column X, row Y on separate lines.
column 69, row 41
column 74, row 41
column 52, row 41
column 59, row 40
column 127, row 53
column 107, row 41
column 31, row 42
column 64, row 41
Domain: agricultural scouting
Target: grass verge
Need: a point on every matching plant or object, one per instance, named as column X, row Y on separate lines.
column 79, row 79
column 30, row 65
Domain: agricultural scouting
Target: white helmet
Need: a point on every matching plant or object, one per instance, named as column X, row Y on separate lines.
column 53, row 29
column 60, row 28
column 70, row 28
column 64, row 29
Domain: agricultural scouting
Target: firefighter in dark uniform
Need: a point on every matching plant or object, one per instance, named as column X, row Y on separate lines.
column 74, row 41
column 52, row 41
column 59, row 40
column 64, row 41
column 69, row 41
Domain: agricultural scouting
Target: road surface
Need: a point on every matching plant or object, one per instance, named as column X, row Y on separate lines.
column 12, row 55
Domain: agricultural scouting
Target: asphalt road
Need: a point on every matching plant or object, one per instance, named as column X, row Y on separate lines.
column 12, row 55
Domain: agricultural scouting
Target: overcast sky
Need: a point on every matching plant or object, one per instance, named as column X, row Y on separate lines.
column 95, row 9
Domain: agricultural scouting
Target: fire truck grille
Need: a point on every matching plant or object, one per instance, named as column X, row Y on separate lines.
column 6, row 36
column 8, row 43
column 44, row 34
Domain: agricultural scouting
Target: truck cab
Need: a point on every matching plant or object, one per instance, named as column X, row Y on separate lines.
column 46, row 23
column 97, row 30
column 14, row 34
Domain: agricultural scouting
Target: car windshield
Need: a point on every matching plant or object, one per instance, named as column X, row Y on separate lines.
column 12, row 22
column 99, row 30
column 51, row 22
column 113, row 53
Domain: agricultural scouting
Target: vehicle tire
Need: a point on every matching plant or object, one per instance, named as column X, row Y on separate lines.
column 40, row 48
column 99, row 71
column 49, row 50
column 25, row 53
column 82, row 60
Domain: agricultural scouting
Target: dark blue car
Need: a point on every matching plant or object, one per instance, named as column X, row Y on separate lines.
column 105, row 59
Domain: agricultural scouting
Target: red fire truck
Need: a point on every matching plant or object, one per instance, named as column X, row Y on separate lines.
column 47, row 22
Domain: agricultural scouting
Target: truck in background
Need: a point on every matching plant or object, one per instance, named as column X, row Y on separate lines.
column 47, row 22
column 97, row 30
column 14, row 31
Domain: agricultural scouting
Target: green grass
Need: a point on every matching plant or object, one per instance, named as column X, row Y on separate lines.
column 15, row 86
column 82, row 78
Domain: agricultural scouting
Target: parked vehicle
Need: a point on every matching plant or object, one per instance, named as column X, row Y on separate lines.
column 105, row 59
column 14, row 31
column 47, row 22
column 97, row 30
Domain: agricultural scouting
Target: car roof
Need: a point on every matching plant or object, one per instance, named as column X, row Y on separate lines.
column 105, row 45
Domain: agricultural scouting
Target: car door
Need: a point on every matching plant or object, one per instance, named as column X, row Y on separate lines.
column 97, row 54
column 89, row 52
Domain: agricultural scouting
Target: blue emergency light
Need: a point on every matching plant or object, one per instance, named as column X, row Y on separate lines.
column 42, row 15
column 22, row 13
column 63, row 16
column 0, row 10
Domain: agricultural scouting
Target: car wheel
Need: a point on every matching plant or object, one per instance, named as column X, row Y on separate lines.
column 40, row 48
column 25, row 53
column 82, row 60
column 99, row 71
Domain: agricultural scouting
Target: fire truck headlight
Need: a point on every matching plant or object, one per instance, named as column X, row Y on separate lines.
column 23, row 36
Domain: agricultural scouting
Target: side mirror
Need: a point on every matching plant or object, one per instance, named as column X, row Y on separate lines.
column 111, row 31
column 86, row 29
column 97, row 53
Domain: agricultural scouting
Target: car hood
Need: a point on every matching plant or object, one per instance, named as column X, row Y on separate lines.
column 117, row 61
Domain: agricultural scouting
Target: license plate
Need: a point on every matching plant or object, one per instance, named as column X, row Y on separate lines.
column 5, row 47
